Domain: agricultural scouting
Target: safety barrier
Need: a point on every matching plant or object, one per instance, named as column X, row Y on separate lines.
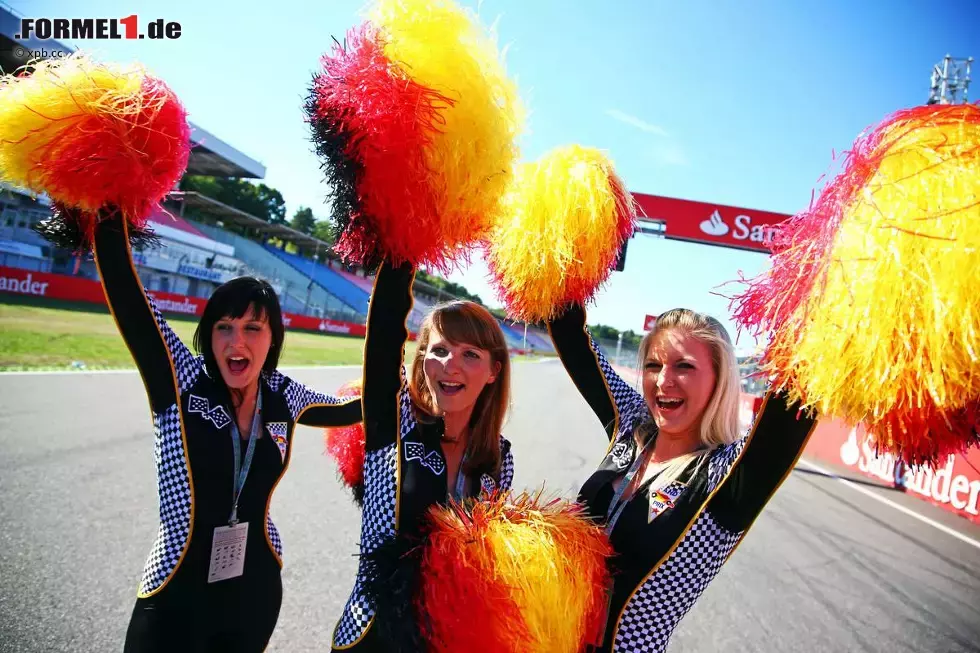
column 954, row 486
column 77, row 289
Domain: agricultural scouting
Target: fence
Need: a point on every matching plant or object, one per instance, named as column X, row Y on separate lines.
column 618, row 354
column 624, row 356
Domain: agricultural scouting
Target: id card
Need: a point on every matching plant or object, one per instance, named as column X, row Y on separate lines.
column 228, row 552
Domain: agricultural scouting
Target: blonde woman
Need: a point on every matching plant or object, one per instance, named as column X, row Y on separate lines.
column 679, row 486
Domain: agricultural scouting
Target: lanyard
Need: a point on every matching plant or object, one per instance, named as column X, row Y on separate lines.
column 241, row 470
column 460, row 481
column 618, row 503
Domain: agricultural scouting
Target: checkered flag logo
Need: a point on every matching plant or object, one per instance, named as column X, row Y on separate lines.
column 432, row 460
column 216, row 415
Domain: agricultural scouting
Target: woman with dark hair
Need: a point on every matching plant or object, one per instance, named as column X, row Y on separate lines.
column 212, row 580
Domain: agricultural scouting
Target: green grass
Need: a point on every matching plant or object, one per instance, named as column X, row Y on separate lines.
column 43, row 337
column 51, row 335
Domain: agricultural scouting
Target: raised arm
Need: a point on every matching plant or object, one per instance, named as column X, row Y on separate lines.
column 762, row 461
column 613, row 401
column 311, row 408
column 166, row 365
column 385, row 399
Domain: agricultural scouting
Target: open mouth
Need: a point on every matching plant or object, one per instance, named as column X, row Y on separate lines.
column 449, row 388
column 237, row 364
column 668, row 404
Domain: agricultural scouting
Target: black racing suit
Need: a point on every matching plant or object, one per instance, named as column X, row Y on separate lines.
column 176, row 608
column 404, row 467
column 670, row 544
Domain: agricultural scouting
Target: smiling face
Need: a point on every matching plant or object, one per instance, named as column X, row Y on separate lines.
column 456, row 373
column 678, row 381
column 240, row 347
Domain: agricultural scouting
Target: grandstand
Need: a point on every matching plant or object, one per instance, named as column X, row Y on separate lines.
column 204, row 242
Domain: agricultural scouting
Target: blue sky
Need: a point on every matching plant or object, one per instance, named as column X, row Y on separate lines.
column 735, row 103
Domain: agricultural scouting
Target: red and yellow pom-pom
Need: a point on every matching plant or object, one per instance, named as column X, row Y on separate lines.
column 535, row 572
column 564, row 221
column 345, row 444
column 871, row 302
column 92, row 136
column 417, row 124
column 365, row 111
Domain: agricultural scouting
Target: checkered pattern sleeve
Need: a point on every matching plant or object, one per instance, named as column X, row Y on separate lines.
column 312, row 408
column 165, row 364
column 617, row 405
column 760, row 462
column 388, row 417
column 385, row 399
column 506, row 465
column 185, row 363
column 656, row 607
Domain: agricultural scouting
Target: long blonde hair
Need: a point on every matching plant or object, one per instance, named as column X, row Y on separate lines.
column 720, row 421
column 467, row 322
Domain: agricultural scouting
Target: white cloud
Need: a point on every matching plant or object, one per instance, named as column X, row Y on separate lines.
column 639, row 123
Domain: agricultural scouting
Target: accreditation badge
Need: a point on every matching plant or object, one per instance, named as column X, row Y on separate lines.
column 663, row 499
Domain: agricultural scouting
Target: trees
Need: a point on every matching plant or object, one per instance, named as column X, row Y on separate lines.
column 323, row 229
column 631, row 340
column 303, row 220
column 259, row 200
column 267, row 204
column 447, row 287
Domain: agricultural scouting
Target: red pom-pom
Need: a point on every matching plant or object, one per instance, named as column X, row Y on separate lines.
column 345, row 444
column 99, row 140
column 130, row 161
column 365, row 110
column 534, row 570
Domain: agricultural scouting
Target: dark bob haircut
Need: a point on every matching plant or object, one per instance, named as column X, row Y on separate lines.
column 233, row 299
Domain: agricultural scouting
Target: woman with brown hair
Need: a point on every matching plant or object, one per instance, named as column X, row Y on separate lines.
column 427, row 439
column 461, row 377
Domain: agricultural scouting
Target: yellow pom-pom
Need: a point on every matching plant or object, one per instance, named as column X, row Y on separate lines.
column 472, row 155
column 563, row 223
column 888, row 331
column 35, row 110
column 92, row 135
column 535, row 570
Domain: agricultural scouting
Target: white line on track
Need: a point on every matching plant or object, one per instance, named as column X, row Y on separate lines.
column 887, row 502
column 132, row 370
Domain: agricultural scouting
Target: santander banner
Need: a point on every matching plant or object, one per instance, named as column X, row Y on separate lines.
column 58, row 286
column 710, row 224
column 954, row 486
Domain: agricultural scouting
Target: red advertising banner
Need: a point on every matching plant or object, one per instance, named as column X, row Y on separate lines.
column 649, row 322
column 710, row 224
column 955, row 486
column 169, row 302
column 59, row 286
column 56, row 286
column 323, row 325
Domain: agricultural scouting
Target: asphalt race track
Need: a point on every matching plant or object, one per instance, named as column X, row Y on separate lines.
column 825, row 568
